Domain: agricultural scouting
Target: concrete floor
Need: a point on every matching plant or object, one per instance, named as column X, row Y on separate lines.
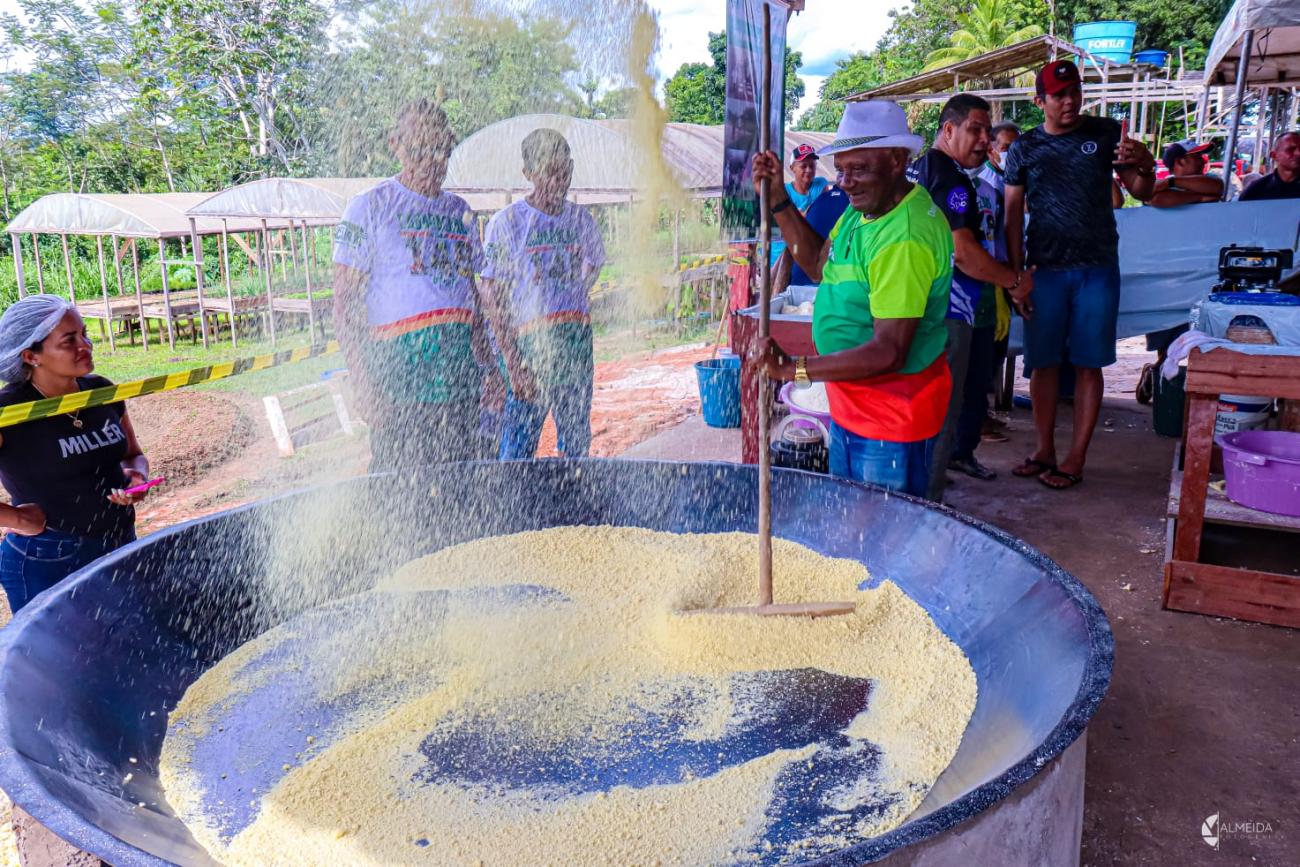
column 1202, row 716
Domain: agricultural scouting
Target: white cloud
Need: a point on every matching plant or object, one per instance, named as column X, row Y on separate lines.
column 826, row 31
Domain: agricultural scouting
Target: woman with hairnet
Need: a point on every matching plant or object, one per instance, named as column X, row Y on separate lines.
column 65, row 474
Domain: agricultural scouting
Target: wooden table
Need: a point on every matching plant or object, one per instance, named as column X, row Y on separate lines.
column 1192, row 583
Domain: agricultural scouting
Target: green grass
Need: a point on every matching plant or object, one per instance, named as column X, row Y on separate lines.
column 130, row 363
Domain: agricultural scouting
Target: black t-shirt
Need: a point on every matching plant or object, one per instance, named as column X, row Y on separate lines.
column 68, row 471
column 1067, row 181
column 954, row 194
column 822, row 216
column 1271, row 187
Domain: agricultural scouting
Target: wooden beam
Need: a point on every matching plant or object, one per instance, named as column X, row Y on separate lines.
column 1244, row 594
column 103, row 285
column 17, row 241
column 167, row 292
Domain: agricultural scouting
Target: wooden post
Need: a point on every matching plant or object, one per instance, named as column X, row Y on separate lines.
column 764, row 327
column 103, row 285
column 36, row 257
column 311, row 302
column 17, row 241
column 266, row 278
column 197, row 242
column 167, row 292
column 121, row 290
column 67, row 266
column 139, row 293
column 293, row 248
column 224, row 256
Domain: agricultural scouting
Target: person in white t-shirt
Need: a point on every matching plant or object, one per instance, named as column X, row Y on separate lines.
column 406, row 304
column 543, row 254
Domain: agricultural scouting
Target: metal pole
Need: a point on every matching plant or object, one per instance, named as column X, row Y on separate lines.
column 765, row 327
column 17, row 241
column 103, row 285
column 224, row 256
column 266, row 278
column 139, row 293
column 67, row 267
column 197, row 243
column 40, row 270
column 1230, row 151
column 1203, row 114
column 1273, row 106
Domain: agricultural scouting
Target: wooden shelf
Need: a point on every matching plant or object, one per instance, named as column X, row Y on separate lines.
column 1220, row 510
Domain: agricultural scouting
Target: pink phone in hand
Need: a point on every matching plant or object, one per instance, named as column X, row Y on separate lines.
column 144, row 486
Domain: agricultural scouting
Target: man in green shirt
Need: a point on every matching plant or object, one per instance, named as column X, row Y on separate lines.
column 885, row 274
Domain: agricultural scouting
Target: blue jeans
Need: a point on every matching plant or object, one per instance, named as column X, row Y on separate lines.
column 569, row 405
column 1076, row 311
column 30, row 565
column 901, row 467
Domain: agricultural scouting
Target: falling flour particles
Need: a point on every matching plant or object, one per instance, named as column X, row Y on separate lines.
column 541, row 699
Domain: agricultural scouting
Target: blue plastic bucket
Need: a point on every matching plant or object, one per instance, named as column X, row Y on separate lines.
column 1153, row 56
column 1109, row 40
column 719, row 380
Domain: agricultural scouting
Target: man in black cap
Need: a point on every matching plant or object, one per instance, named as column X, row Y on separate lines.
column 1187, row 182
column 1062, row 171
column 1284, row 181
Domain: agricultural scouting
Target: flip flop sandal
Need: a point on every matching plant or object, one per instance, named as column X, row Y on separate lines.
column 1032, row 467
column 1070, row 479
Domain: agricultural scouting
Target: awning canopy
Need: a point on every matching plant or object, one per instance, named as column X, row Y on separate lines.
column 128, row 215
column 605, row 157
column 1013, row 59
column 319, row 200
column 1275, row 53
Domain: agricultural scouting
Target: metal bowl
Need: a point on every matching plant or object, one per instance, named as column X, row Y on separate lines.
column 89, row 670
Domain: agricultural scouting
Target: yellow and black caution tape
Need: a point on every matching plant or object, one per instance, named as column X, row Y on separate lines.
column 37, row 409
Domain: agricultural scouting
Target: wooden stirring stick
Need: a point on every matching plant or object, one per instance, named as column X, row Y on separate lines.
column 765, row 605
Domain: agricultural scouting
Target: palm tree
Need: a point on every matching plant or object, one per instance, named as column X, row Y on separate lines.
column 983, row 29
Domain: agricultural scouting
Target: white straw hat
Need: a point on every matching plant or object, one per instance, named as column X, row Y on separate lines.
column 875, row 123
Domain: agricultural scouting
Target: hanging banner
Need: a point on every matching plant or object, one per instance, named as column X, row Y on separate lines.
column 744, row 93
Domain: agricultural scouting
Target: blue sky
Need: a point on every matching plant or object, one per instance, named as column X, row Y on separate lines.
column 825, row 31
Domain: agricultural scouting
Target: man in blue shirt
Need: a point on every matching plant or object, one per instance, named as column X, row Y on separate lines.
column 822, row 217
column 803, row 190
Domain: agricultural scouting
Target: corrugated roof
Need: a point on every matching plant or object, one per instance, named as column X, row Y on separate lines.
column 1023, row 56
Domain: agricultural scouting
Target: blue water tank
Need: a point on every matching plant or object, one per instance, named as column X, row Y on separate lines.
column 1153, row 56
column 1109, row 40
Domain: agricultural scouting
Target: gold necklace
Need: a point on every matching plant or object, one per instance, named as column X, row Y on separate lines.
column 74, row 417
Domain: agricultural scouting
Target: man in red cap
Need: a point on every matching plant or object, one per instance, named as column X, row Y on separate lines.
column 803, row 191
column 1062, row 171
column 1187, row 182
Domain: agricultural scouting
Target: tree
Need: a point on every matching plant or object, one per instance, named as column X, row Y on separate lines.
column 481, row 70
column 1167, row 24
column 697, row 92
column 250, row 58
column 987, row 27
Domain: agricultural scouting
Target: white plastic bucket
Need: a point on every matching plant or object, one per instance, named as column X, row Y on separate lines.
column 1241, row 412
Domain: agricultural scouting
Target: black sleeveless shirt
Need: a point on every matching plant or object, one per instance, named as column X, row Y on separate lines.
column 68, row 471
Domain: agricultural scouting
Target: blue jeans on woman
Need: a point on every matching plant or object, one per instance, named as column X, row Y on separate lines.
column 32, row 564
column 901, row 467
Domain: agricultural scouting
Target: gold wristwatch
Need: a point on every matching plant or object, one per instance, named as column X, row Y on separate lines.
column 801, row 370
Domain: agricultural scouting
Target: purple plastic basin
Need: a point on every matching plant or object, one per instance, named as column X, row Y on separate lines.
column 1262, row 469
